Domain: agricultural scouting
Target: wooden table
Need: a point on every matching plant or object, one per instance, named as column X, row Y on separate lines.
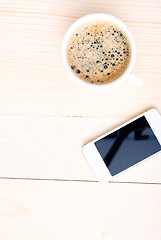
column 47, row 189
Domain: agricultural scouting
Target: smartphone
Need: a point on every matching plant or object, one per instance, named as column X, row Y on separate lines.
column 125, row 146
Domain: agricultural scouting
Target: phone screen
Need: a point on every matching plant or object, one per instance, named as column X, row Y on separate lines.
column 128, row 145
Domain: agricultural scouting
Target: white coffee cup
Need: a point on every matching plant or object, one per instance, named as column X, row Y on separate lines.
column 128, row 74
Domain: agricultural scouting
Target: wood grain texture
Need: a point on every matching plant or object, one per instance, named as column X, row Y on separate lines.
column 32, row 78
column 90, row 211
column 45, row 118
column 51, row 148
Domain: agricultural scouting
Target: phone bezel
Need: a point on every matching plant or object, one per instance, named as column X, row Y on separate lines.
column 94, row 158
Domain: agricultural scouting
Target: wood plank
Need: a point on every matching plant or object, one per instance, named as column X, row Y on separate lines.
column 67, row 210
column 26, row 90
column 51, row 148
column 32, row 78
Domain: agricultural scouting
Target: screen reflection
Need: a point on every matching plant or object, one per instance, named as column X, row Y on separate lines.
column 128, row 146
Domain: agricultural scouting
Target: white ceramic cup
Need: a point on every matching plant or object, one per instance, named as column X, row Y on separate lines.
column 128, row 74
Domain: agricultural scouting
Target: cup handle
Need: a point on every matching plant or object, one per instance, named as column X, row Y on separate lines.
column 136, row 79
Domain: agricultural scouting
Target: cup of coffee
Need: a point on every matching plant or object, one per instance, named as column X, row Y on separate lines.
column 99, row 51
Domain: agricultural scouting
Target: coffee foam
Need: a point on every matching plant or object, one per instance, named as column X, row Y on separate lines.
column 98, row 52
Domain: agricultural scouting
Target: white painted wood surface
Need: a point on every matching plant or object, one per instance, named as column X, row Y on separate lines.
column 45, row 118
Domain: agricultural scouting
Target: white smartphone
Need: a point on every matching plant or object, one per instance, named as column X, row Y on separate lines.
column 125, row 146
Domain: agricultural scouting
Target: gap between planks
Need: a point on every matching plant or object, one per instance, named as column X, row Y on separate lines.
column 70, row 180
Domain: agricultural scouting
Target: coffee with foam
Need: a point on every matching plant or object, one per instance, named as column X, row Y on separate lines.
column 98, row 52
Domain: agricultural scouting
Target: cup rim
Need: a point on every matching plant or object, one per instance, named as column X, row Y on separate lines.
column 93, row 17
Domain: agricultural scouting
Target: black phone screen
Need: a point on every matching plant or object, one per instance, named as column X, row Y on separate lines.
column 128, row 145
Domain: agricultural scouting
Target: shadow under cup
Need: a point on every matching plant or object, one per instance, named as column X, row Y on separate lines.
column 98, row 50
